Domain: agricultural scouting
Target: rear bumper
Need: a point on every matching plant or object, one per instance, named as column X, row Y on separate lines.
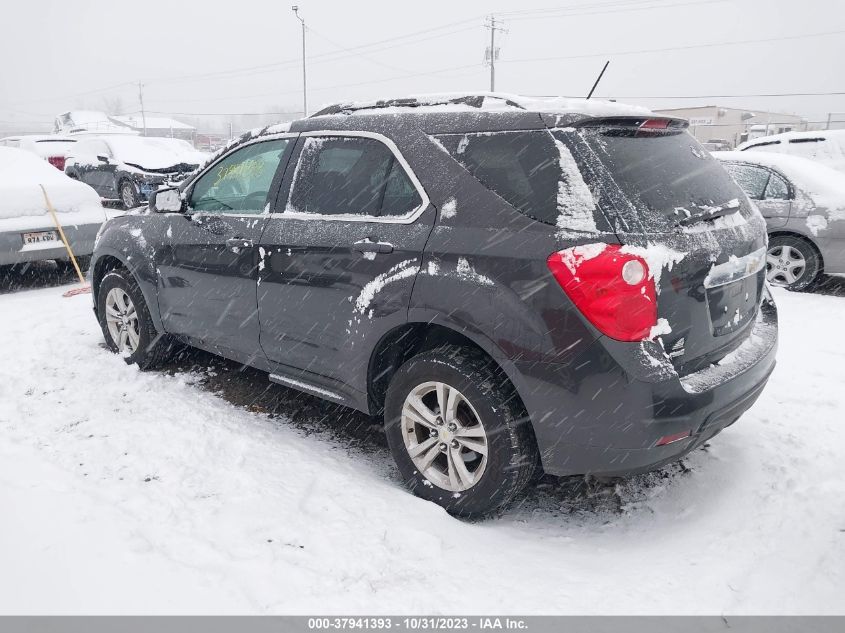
column 620, row 399
column 14, row 251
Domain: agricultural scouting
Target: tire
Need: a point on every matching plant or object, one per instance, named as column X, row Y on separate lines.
column 128, row 192
column 487, row 412
column 792, row 263
column 143, row 345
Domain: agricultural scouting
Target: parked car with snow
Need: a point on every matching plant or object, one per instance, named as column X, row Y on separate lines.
column 128, row 168
column 51, row 147
column 823, row 146
column 510, row 283
column 27, row 231
column 803, row 203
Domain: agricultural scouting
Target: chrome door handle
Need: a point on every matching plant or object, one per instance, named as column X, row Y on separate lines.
column 235, row 244
column 368, row 246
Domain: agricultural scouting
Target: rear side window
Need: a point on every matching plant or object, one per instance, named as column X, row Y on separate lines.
column 532, row 171
column 519, row 166
column 350, row 176
column 777, row 189
column 752, row 180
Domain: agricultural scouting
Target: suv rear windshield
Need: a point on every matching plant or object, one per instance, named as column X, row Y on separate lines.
column 659, row 173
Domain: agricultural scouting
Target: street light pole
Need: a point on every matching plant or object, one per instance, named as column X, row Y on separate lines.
column 295, row 10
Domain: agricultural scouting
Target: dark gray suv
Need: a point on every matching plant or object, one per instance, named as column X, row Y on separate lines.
column 513, row 286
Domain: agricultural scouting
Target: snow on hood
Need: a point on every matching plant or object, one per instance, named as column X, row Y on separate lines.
column 155, row 153
column 22, row 172
column 824, row 185
column 824, row 146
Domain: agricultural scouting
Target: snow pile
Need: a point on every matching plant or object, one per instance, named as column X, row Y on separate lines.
column 450, row 208
column 21, row 197
column 575, row 201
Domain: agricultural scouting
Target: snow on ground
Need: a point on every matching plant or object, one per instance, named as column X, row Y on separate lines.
column 129, row 492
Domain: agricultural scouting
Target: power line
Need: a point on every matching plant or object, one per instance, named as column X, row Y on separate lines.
column 675, row 48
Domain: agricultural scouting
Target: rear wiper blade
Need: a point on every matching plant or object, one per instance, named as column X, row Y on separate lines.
column 707, row 213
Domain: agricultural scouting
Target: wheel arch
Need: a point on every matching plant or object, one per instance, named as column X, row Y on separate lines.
column 409, row 339
column 108, row 260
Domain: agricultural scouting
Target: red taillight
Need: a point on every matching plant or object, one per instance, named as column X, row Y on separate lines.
column 612, row 289
column 655, row 124
column 675, row 437
column 57, row 161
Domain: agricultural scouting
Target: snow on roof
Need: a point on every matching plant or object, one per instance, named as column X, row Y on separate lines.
column 157, row 123
column 484, row 101
column 823, row 184
column 20, row 174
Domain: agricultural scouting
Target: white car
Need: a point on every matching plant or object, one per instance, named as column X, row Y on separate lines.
column 27, row 230
column 824, row 146
column 51, row 147
column 804, row 205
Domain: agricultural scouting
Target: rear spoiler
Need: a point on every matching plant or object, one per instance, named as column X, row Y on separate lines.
column 639, row 123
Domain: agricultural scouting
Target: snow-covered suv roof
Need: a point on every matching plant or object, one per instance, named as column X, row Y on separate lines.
column 482, row 102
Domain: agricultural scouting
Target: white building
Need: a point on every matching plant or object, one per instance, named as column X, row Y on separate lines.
column 734, row 125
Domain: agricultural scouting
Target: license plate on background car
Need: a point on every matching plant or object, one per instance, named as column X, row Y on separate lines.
column 40, row 236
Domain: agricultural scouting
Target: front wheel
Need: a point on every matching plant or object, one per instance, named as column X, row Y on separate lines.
column 792, row 262
column 126, row 323
column 458, row 433
column 129, row 195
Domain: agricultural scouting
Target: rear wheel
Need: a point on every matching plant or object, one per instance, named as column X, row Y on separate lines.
column 458, row 433
column 129, row 194
column 792, row 262
column 126, row 323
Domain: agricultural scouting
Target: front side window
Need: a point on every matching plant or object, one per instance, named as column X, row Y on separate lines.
column 239, row 183
column 350, row 176
column 752, row 180
column 777, row 189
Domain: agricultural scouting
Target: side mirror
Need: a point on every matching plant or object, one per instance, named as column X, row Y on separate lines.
column 166, row 201
column 102, row 159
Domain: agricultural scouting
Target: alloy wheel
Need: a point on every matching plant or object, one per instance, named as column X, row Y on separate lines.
column 128, row 195
column 784, row 265
column 444, row 436
column 122, row 321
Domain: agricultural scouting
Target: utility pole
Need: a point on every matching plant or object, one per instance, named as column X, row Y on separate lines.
column 492, row 53
column 141, row 99
column 295, row 10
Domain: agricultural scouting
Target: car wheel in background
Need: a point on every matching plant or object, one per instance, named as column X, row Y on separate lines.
column 126, row 323
column 129, row 194
column 792, row 262
column 458, row 432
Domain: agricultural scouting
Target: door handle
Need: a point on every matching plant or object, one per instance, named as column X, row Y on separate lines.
column 368, row 246
column 235, row 244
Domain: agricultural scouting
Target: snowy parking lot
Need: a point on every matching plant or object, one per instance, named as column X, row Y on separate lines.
column 204, row 488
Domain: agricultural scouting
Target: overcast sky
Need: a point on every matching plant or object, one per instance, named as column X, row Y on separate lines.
column 243, row 56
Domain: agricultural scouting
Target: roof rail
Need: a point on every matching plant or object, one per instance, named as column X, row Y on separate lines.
column 474, row 100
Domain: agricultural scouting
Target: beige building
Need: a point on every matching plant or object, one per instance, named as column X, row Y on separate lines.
column 735, row 125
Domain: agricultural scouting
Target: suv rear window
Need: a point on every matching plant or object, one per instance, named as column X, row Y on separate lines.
column 658, row 173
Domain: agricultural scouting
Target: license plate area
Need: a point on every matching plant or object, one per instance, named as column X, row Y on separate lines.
column 732, row 306
column 37, row 237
